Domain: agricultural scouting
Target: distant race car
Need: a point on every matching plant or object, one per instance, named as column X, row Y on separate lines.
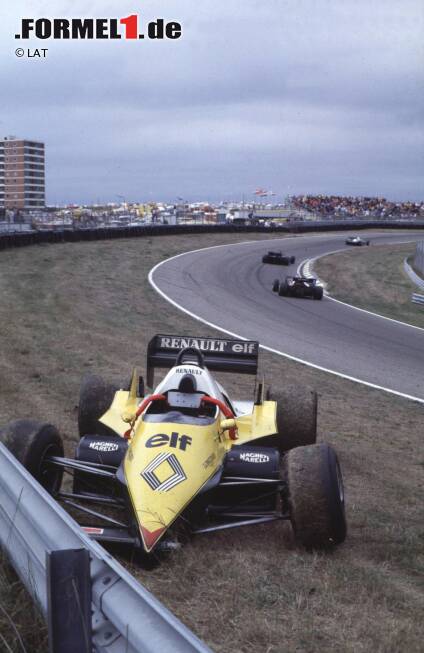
column 278, row 258
column 298, row 287
column 356, row 240
column 186, row 457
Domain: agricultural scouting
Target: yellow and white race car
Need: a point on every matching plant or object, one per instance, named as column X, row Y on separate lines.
column 186, row 454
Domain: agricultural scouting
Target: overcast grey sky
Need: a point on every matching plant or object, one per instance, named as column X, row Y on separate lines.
column 297, row 96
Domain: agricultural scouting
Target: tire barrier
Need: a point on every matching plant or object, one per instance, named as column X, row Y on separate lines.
column 44, row 237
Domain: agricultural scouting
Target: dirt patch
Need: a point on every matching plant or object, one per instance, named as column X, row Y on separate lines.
column 71, row 308
column 373, row 278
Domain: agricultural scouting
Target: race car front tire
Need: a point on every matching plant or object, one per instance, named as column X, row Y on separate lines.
column 31, row 442
column 96, row 396
column 292, row 259
column 276, row 286
column 318, row 293
column 315, row 496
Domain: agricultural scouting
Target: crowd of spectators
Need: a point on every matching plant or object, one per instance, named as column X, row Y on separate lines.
column 333, row 206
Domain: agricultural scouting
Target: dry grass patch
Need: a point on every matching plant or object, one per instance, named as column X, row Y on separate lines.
column 71, row 308
column 373, row 278
column 22, row 628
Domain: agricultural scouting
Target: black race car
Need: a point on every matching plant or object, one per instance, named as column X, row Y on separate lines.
column 278, row 258
column 356, row 241
column 298, row 287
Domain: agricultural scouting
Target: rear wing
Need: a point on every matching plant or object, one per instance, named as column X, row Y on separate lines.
column 222, row 355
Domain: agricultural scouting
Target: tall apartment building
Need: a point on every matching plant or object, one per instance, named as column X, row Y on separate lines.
column 22, row 176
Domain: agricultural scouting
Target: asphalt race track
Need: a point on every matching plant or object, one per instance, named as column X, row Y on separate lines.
column 230, row 288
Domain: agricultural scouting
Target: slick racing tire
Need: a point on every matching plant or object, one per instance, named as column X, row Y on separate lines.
column 284, row 289
column 276, row 286
column 315, row 496
column 96, row 396
column 296, row 418
column 292, row 259
column 318, row 293
column 31, row 442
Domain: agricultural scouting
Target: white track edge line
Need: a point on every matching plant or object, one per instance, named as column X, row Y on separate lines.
column 265, row 347
column 311, row 262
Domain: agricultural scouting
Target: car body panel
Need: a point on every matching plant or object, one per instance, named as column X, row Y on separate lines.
column 165, row 467
column 260, row 423
column 277, row 258
column 299, row 287
column 122, row 403
column 356, row 241
column 169, row 462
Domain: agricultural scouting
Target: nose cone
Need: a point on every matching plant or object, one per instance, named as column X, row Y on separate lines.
column 150, row 538
column 165, row 467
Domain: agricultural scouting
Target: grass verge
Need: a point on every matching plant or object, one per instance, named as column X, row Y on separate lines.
column 373, row 278
column 70, row 308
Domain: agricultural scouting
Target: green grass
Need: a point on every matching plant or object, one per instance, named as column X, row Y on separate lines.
column 373, row 278
column 70, row 308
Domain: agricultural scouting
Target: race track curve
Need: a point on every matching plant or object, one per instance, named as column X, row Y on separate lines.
column 229, row 288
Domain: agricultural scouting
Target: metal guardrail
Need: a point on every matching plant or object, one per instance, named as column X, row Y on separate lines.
column 417, row 299
column 419, row 258
column 126, row 617
column 418, row 281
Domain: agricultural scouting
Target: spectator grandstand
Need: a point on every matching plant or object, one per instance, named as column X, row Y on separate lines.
column 334, row 206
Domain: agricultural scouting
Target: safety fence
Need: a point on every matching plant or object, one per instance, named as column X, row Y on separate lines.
column 40, row 237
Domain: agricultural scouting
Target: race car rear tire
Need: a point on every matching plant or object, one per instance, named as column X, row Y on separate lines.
column 315, row 496
column 31, row 442
column 296, row 418
column 292, row 259
column 96, row 396
column 284, row 290
column 276, row 286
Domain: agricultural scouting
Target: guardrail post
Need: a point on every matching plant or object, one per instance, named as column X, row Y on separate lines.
column 69, row 601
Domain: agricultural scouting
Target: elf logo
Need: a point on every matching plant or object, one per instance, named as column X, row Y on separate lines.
column 175, row 441
column 97, row 28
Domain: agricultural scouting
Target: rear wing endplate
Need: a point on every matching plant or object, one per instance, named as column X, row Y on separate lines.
column 222, row 355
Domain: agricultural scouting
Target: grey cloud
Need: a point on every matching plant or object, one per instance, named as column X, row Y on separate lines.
column 283, row 94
